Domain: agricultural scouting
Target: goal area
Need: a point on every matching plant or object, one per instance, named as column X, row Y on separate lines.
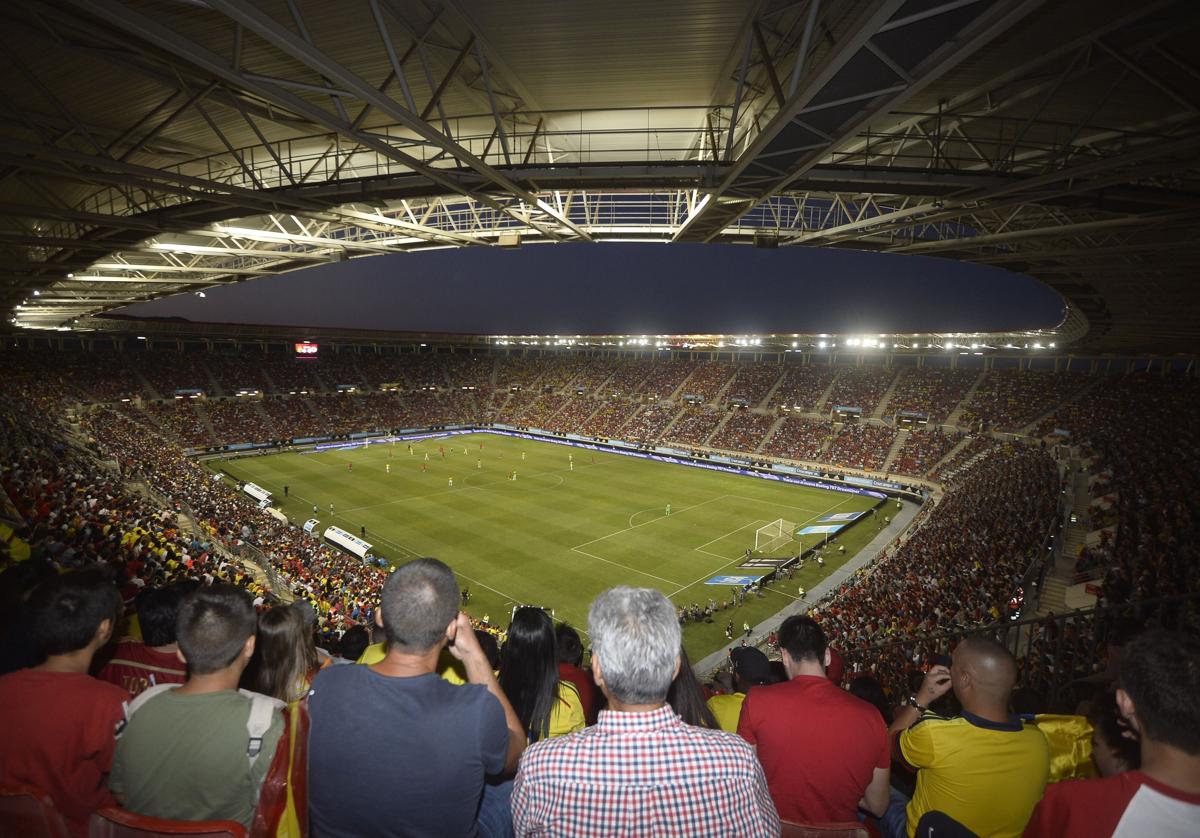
column 774, row 536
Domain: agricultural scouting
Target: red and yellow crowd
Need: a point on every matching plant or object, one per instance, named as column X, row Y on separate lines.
column 535, row 743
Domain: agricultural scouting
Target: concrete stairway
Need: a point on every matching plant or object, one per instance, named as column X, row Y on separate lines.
column 894, row 450
column 962, row 443
column 877, row 413
column 956, row 414
column 819, row 407
column 728, row 415
column 774, row 387
column 770, row 433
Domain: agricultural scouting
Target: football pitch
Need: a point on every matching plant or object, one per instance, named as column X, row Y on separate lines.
column 573, row 522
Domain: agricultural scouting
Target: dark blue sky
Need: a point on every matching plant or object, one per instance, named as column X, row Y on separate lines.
column 633, row 289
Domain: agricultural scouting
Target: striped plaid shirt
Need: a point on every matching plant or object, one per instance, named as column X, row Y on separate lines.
column 635, row 774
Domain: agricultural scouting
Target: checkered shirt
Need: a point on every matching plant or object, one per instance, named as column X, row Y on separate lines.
column 642, row 774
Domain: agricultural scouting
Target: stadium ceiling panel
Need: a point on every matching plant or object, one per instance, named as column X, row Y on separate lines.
column 152, row 147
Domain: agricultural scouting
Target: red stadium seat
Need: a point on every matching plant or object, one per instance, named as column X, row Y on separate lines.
column 111, row 822
column 850, row 829
column 29, row 812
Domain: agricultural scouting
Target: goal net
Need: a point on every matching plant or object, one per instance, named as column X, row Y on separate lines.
column 774, row 536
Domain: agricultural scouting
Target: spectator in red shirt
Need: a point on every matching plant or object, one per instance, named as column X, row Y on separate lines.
column 825, row 752
column 1158, row 686
column 570, row 658
column 59, row 722
column 138, row 664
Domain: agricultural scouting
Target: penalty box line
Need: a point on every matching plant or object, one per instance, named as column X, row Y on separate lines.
column 739, row 558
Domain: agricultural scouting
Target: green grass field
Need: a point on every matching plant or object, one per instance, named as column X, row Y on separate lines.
column 555, row 537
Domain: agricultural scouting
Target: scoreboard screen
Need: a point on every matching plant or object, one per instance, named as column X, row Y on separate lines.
column 306, row 348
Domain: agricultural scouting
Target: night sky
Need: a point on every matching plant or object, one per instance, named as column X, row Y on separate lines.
column 633, row 289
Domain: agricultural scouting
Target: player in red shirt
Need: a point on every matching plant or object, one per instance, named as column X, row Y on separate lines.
column 60, row 723
column 1158, row 688
column 824, row 751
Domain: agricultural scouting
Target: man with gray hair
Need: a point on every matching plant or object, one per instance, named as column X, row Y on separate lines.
column 640, row 770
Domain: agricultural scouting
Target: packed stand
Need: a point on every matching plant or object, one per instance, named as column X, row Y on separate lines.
column 977, row 445
column 797, row 438
column 572, row 416
column 743, row 432
column 182, row 419
column 290, row 373
column 694, row 426
column 239, row 420
column 664, row 377
column 802, row 386
column 957, row 570
column 1008, row 400
column 861, row 446
column 708, row 379
column 647, row 425
column 168, row 371
column 609, row 419
column 237, row 371
column 591, row 375
column 628, row 377
column 933, row 392
column 861, row 387
column 922, row 450
column 753, row 382
column 1153, row 518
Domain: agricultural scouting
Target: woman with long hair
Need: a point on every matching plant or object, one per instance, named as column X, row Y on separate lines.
column 285, row 658
column 545, row 705
column 686, row 696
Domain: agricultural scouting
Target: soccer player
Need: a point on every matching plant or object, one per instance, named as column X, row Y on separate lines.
column 522, row 456
column 450, row 482
column 410, row 450
column 424, row 468
column 349, row 466
column 571, row 465
column 387, row 467
column 478, row 463
column 426, row 456
column 668, row 510
column 331, row 509
column 314, row 509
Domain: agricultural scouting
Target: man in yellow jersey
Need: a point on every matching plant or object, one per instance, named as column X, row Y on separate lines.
column 751, row 668
column 983, row 769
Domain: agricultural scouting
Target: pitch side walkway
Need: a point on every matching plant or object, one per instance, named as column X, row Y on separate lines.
column 814, row 594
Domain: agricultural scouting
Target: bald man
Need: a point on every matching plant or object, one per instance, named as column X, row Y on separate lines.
column 984, row 768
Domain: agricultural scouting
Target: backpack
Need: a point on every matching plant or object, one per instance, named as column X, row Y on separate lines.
column 262, row 712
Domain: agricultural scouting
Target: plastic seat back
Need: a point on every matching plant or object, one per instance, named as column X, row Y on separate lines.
column 29, row 812
column 117, row 823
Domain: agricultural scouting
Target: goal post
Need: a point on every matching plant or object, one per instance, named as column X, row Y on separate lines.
column 773, row 536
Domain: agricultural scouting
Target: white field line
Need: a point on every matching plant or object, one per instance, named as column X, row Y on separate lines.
column 651, row 521
column 726, row 535
column 622, row 566
column 739, row 558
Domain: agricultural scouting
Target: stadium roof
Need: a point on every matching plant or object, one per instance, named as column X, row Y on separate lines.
column 151, row 147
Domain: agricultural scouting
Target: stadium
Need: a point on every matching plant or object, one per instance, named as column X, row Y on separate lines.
column 1022, row 499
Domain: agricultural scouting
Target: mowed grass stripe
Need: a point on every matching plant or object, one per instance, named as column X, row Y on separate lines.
column 554, row 537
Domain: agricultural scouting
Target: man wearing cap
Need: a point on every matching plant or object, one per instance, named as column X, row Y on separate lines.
column 750, row 669
column 825, row 753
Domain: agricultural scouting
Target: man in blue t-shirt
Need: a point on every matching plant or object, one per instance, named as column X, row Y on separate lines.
column 427, row 743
